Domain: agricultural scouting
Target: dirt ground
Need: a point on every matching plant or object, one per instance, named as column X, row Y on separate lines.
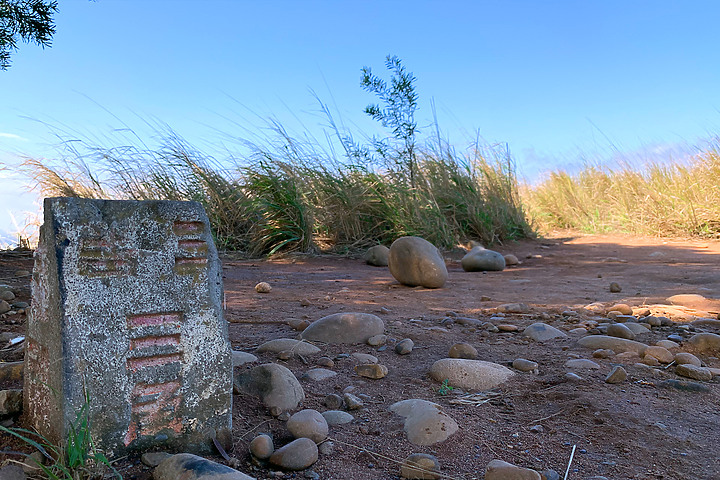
column 631, row 430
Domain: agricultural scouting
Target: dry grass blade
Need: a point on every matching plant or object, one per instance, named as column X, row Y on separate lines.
column 475, row 399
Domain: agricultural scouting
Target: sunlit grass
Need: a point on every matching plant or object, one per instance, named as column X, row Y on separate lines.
column 677, row 199
column 285, row 194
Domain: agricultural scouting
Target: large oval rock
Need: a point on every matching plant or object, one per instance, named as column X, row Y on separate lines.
column 542, row 332
column 344, row 328
column 425, row 422
column 308, row 423
column 694, row 301
column 414, row 261
column 276, row 386
column 705, row 342
column 288, row 344
column 694, row 372
column 470, row 374
column 500, row 470
column 617, row 345
column 619, row 330
column 296, row 455
column 377, row 256
column 685, row 358
column 663, row 355
column 481, row 260
column 186, row 466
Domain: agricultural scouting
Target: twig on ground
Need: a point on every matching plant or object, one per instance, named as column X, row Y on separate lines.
column 548, row 417
column 254, row 428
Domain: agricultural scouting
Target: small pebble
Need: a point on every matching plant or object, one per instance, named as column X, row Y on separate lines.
column 371, row 370
column 325, row 362
column 573, row 377
column 463, row 350
column 377, row 340
column 263, row 287
column 508, row 328
column 617, row 375
column 262, row 446
column 524, row 365
column 404, row 347
column 537, row 429
column 333, row 401
column 352, row 402
column 420, row 466
column 326, row 448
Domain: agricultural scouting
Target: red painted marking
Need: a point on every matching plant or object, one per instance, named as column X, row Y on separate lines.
column 192, row 244
column 143, row 389
column 150, row 418
column 188, row 228
column 153, row 319
column 154, row 361
column 158, row 341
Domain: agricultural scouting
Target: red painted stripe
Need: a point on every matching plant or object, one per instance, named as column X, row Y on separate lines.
column 166, row 388
column 154, row 361
column 153, row 319
column 156, row 341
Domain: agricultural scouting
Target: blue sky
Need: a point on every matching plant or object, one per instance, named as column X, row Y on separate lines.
column 557, row 80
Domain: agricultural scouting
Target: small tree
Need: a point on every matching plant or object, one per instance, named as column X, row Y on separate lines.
column 26, row 20
column 397, row 112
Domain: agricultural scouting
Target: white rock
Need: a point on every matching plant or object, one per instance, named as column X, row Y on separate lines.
column 470, row 374
column 425, row 422
column 542, row 332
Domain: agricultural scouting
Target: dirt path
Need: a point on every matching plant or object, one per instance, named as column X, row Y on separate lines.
column 632, row 430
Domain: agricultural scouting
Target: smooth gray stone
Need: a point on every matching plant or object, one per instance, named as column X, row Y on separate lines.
column 186, row 466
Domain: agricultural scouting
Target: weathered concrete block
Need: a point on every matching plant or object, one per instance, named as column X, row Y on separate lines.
column 127, row 310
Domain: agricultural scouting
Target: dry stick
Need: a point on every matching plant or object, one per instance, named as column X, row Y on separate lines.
column 549, row 416
column 414, row 466
column 572, row 454
column 254, row 428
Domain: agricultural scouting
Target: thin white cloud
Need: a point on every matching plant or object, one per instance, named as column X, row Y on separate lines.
column 12, row 136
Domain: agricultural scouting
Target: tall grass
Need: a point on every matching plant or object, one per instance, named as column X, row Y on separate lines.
column 294, row 194
column 677, row 199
